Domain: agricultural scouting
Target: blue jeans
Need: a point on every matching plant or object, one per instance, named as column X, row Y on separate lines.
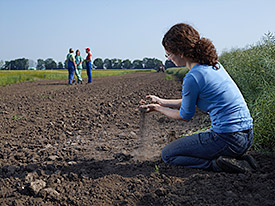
column 89, row 72
column 71, row 75
column 202, row 149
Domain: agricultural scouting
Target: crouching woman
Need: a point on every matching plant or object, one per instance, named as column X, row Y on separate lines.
column 207, row 86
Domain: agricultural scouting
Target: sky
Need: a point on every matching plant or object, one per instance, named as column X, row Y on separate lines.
column 125, row 29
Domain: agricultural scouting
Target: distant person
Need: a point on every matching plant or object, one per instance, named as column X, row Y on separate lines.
column 71, row 65
column 207, row 86
column 160, row 68
column 88, row 61
column 78, row 61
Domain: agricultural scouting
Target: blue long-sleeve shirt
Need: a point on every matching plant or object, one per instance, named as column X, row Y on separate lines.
column 213, row 91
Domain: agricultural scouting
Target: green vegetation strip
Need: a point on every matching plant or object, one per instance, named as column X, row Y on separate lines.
column 15, row 76
column 179, row 72
column 253, row 70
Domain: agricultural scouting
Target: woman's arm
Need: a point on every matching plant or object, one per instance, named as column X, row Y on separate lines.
column 80, row 62
column 172, row 103
column 172, row 113
column 74, row 63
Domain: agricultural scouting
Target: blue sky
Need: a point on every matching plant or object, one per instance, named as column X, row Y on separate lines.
column 124, row 29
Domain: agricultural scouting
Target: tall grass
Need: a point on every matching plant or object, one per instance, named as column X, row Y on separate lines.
column 179, row 72
column 15, row 76
column 253, row 70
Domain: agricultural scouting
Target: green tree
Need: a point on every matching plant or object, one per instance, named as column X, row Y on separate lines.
column 107, row 64
column 40, row 64
column 98, row 63
column 116, row 63
column 17, row 64
column 147, row 63
column 66, row 64
column 2, row 63
column 157, row 63
column 151, row 63
column 137, row 64
column 126, row 64
column 169, row 64
column 60, row 65
column 6, row 66
column 50, row 64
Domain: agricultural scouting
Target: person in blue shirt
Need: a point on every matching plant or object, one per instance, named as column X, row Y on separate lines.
column 71, row 65
column 207, row 86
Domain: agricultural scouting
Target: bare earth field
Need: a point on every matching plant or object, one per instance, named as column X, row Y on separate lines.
column 82, row 145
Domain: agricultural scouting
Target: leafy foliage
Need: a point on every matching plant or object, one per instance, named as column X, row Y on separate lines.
column 253, row 70
column 40, row 64
column 179, row 72
column 50, row 64
column 169, row 64
column 151, row 63
column 126, row 64
column 98, row 63
column 137, row 64
column 17, row 64
column 60, row 65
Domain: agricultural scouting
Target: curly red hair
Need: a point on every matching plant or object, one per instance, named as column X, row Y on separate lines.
column 183, row 39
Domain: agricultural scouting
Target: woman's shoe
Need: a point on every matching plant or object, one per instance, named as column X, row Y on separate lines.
column 251, row 161
column 232, row 165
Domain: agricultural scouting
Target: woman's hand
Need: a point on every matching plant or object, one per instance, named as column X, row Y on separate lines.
column 155, row 99
column 149, row 107
column 142, row 102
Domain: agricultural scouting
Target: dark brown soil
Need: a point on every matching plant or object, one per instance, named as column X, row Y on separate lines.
column 82, row 145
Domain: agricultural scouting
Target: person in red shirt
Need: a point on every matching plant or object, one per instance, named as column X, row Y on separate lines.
column 88, row 61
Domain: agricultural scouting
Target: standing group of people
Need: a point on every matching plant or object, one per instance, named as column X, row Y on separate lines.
column 74, row 66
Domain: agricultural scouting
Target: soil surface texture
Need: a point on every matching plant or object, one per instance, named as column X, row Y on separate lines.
column 89, row 144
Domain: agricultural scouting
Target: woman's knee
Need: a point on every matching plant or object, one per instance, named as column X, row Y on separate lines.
column 165, row 156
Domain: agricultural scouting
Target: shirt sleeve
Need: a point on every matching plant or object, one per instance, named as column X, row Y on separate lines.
column 190, row 93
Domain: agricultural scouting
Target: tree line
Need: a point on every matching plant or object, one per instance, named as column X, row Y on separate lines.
column 98, row 63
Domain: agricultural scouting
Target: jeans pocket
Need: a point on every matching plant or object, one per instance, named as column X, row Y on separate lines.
column 238, row 143
column 214, row 144
column 207, row 137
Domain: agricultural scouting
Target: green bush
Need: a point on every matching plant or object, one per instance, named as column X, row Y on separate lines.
column 253, row 70
column 179, row 72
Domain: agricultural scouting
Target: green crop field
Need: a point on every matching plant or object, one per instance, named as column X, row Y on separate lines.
column 15, row 76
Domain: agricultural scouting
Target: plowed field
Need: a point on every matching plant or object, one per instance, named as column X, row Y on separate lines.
column 87, row 145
